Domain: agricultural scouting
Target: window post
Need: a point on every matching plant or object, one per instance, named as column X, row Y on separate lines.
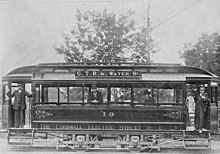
column 132, row 95
column 83, row 95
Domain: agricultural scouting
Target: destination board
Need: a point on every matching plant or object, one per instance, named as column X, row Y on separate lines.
column 108, row 74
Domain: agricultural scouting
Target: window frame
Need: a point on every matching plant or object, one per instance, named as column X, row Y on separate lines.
column 153, row 86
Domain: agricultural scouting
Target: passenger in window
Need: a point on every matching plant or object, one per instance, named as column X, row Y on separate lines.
column 19, row 105
column 125, row 96
column 149, row 98
column 95, row 96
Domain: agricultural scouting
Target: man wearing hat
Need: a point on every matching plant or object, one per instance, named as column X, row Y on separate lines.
column 19, row 105
column 95, row 96
column 201, row 109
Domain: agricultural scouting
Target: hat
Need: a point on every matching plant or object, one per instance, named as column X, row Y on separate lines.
column 20, row 86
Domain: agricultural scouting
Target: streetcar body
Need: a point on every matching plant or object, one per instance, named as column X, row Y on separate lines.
column 60, row 102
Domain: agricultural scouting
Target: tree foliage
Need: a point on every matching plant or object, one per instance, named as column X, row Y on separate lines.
column 106, row 37
column 205, row 53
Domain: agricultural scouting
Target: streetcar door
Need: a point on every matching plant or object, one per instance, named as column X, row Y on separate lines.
column 211, row 115
column 7, row 107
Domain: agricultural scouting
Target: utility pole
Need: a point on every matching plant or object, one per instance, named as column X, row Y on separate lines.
column 148, row 15
column 148, row 28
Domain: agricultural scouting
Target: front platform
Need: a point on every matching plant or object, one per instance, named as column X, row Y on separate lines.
column 196, row 139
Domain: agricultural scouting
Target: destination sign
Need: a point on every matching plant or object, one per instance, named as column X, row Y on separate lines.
column 84, row 126
column 117, row 74
column 89, row 127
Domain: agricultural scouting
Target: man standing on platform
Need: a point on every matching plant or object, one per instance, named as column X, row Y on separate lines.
column 201, row 109
column 19, row 105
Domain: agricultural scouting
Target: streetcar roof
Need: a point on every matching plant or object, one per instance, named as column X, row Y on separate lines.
column 154, row 71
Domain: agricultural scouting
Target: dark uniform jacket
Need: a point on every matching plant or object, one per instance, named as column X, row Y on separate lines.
column 19, row 100
column 202, row 105
column 98, row 97
column 205, row 104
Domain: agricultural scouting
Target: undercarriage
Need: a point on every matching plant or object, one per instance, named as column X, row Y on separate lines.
column 145, row 141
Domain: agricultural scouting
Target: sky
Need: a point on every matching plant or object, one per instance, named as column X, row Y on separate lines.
column 29, row 30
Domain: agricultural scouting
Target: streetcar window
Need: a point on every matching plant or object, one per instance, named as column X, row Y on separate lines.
column 28, row 87
column 168, row 93
column 75, row 95
column 37, row 90
column 139, row 95
column 214, row 95
column 104, row 94
column 14, row 86
column 115, row 93
column 52, row 94
column 5, row 97
column 63, row 94
column 86, row 94
column 120, row 94
column 179, row 94
column 142, row 93
column 102, row 90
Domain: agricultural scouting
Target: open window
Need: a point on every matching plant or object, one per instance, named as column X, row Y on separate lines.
column 75, row 94
column 169, row 93
column 144, row 93
column 101, row 88
column 7, row 103
column 65, row 94
column 112, row 93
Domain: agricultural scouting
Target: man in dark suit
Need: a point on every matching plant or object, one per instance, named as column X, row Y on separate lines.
column 19, row 105
column 95, row 96
column 201, row 109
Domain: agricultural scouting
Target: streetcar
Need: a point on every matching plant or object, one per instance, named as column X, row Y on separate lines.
column 59, row 109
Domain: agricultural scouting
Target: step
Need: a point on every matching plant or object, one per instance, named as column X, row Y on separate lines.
column 27, row 130
column 196, row 139
column 196, row 146
column 21, row 137
column 19, row 143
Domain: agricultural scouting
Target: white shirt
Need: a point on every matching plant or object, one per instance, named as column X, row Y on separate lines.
column 190, row 104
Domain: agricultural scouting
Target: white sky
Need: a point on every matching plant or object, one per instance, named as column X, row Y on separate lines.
column 30, row 29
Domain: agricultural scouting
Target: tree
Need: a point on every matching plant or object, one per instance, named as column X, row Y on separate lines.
column 217, row 59
column 105, row 37
column 205, row 53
